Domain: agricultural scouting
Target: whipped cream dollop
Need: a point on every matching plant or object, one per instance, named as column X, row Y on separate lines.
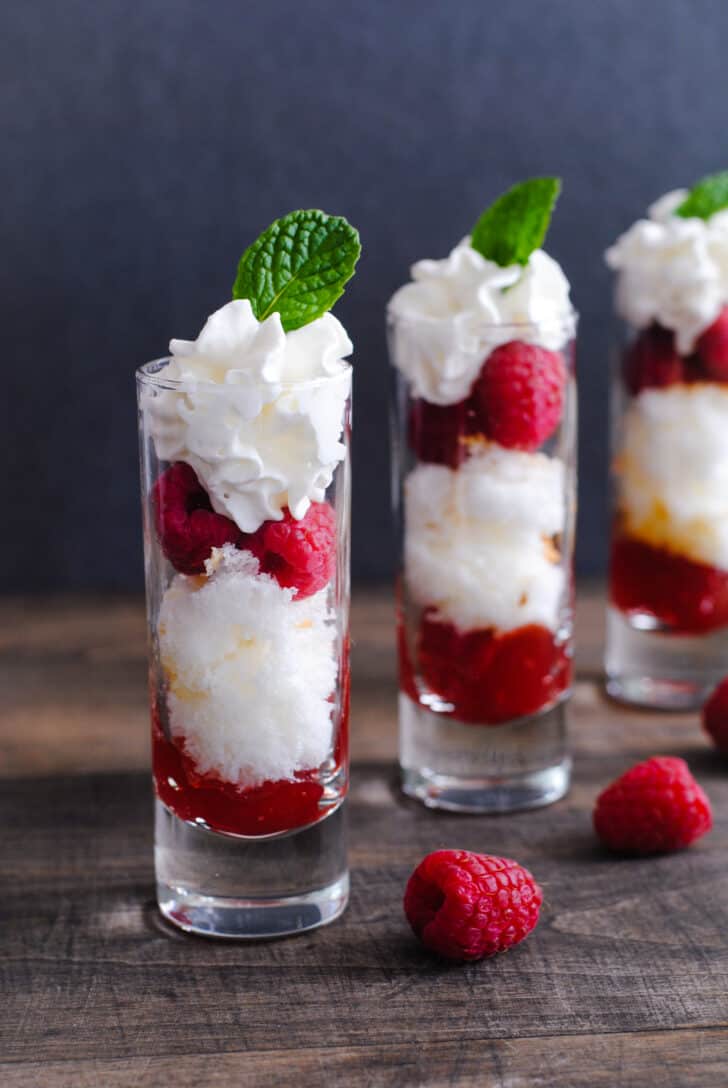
column 456, row 311
column 479, row 541
column 672, row 270
column 250, row 672
column 673, row 471
column 257, row 442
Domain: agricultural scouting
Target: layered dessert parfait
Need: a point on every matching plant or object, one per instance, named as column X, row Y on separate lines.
column 669, row 558
column 482, row 341
column 245, row 436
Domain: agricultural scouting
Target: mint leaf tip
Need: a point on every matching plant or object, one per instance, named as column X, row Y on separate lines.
column 298, row 267
column 707, row 196
column 516, row 223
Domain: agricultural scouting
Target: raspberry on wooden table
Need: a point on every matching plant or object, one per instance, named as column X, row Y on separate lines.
column 187, row 526
column 653, row 808
column 466, row 906
column 520, row 395
column 715, row 717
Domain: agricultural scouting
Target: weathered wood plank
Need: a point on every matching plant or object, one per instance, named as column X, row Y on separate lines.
column 671, row 1059
column 627, row 972
column 91, row 973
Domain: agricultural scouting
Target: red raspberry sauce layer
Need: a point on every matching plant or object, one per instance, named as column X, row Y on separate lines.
column 488, row 676
column 261, row 810
column 687, row 597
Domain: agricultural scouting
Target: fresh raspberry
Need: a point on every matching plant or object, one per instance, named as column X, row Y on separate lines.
column 299, row 554
column 652, row 362
column 520, row 394
column 712, row 349
column 187, row 527
column 490, row 677
column 655, row 807
column 715, row 717
column 465, row 906
column 437, row 432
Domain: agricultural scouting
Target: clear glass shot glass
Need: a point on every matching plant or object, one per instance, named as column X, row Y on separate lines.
column 667, row 617
column 485, row 590
column 249, row 692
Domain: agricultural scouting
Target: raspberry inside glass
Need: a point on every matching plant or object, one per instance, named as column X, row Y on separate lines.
column 712, row 349
column 685, row 596
column 299, row 554
column 488, row 676
column 187, row 526
column 438, row 433
column 652, row 361
column 519, row 396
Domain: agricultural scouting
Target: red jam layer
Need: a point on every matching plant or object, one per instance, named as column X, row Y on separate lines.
column 489, row 677
column 261, row 810
column 688, row 598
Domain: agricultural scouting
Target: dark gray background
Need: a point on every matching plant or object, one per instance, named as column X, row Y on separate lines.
column 147, row 143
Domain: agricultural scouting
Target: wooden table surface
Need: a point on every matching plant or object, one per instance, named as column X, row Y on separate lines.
column 624, row 982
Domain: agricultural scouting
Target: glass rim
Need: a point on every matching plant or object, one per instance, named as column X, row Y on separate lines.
column 150, row 375
column 568, row 321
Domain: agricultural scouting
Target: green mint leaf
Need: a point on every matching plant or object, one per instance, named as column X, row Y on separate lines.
column 516, row 224
column 298, row 267
column 709, row 196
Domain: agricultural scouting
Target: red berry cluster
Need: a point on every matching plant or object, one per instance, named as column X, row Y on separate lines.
column 488, row 676
column 652, row 361
column 688, row 597
column 299, row 553
column 465, row 906
column 516, row 401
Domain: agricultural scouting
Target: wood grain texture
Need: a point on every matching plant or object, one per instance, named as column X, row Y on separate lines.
column 626, row 974
column 614, row 1061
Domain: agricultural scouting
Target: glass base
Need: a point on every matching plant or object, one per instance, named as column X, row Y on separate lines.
column 652, row 668
column 483, row 768
column 245, row 888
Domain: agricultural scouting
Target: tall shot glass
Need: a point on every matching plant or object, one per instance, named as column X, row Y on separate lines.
column 249, row 692
column 485, row 589
column 667, row 620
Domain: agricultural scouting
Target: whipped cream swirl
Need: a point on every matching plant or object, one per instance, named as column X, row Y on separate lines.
column 257, row 440
column 456, row 311
column 672, row 270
